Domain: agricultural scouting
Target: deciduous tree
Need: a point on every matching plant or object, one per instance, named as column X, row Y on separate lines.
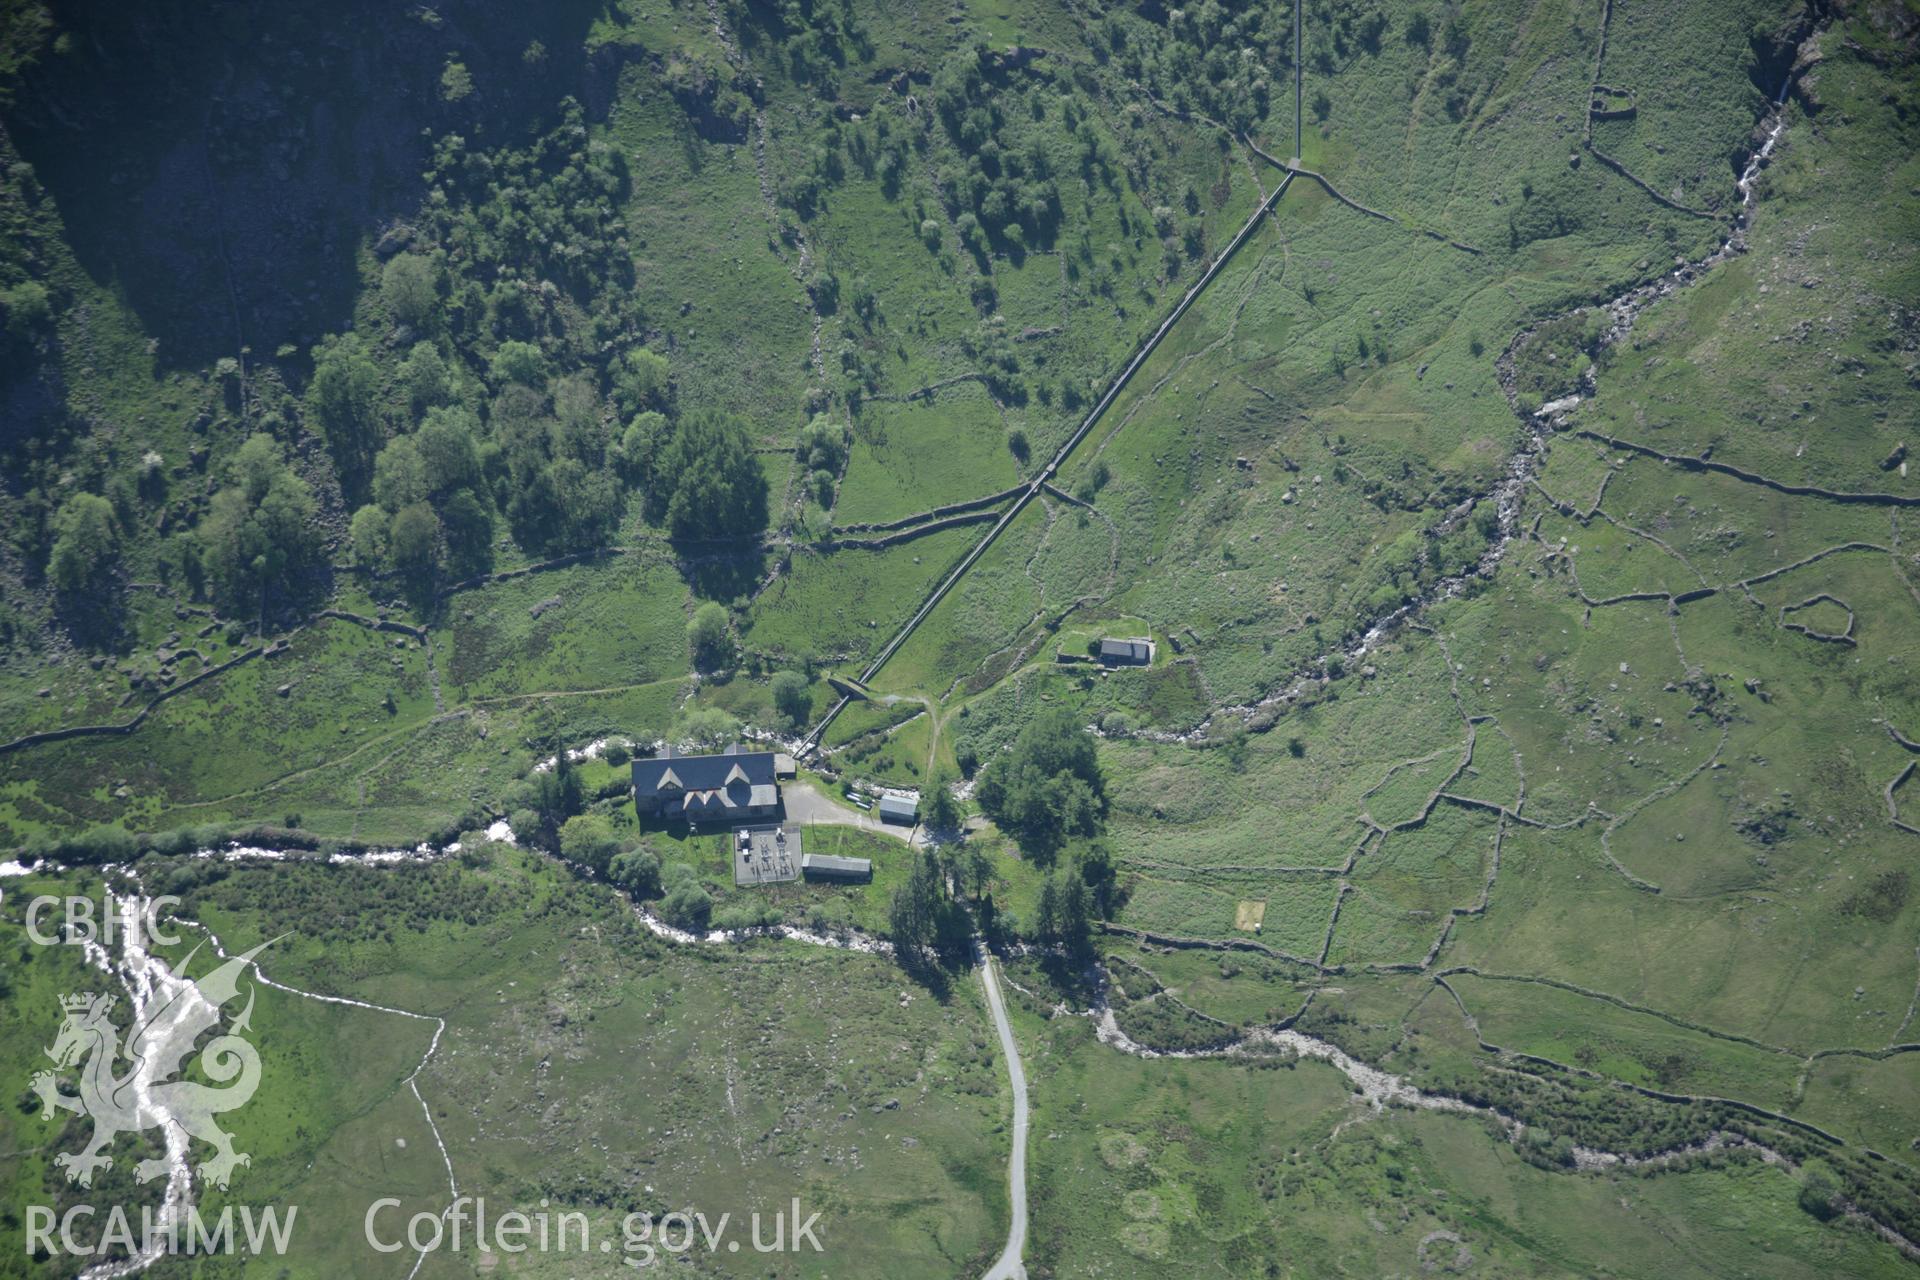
column 637, row 871
column 409, row 285
column 86, row 544
column 792, row 696
column 342, row 399
column 708, row 636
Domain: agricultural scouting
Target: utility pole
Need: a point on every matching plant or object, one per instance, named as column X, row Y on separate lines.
column 1299, row 123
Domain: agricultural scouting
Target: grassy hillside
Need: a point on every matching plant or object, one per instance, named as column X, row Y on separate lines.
column 1520, row 507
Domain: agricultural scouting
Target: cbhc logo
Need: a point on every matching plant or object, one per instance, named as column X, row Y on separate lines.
column 82, row 920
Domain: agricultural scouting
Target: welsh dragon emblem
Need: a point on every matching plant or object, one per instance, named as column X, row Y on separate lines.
column 146, row 1094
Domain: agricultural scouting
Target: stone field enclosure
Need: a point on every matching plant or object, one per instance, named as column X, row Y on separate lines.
column 1500, row 418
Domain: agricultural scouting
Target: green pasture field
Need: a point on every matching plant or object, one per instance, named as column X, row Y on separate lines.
column 1682, row 102
column 1153, row 1154
column 741, row 322
column 1622, row 1044
column 914, row 457
column 648, row 1044
column 1641, row 790
column 901, row 754
column 621, row 622
column 842, row 606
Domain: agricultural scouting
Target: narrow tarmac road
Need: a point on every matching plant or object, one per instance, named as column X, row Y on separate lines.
column 1009, row 1267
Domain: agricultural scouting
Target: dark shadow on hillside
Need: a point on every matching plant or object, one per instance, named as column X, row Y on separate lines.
column 713, row 573
column 933, row 974
column 96, row 620
column 221, row 164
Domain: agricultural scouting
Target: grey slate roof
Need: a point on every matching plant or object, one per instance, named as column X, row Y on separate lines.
column 897, row 809
column 1118, row 650
column 706, row 786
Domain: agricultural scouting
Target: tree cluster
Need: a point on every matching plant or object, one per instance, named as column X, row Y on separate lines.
column 258, row 545
column 506, row 408
column 705, row 483
column 1208, row 59
column 822, row 451
column 1072, row 899
column 1047, row 788
column 86, row 546
column 924, row 921
column 686, row 905
column 431, row 508
column 1004, row 188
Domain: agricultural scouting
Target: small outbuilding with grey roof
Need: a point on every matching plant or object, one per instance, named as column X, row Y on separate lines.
column 827, row 866
column 899, row 809
column 1119, row 652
